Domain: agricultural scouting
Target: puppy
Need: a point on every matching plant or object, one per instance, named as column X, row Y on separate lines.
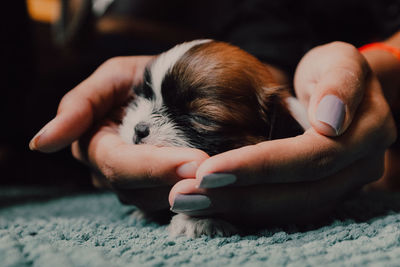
column 212, row 96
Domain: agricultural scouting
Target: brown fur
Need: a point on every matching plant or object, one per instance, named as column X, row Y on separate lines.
column 234, row 90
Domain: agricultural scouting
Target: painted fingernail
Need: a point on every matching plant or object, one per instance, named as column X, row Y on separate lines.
column 187, row 170
column 331, row 110
column 187, row 203
column 215, row 180
column 34, row 141
column 33, row 144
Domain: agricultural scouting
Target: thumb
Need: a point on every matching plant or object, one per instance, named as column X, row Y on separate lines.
column 108, row 87
column 334, row 102
column 330, row 81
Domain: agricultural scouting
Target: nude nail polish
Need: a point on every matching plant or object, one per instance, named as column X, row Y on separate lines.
column 331, row 111
column 33, row 142
column 215, row 180
column 186, row 203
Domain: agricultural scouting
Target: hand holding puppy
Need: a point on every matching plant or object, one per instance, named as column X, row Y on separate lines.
column 140, row 175
column 297, row 178
column 264, row 176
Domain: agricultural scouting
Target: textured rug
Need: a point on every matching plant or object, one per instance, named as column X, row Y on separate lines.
column 53, row 227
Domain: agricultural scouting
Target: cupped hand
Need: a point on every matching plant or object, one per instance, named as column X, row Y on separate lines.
column 140, row 174
column 296, row 178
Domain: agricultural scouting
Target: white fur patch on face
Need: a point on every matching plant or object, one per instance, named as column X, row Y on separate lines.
column 137, row 111
column 166, row 61
column 162, row 130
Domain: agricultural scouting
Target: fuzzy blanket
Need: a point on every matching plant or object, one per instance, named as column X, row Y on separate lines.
column 54, row 227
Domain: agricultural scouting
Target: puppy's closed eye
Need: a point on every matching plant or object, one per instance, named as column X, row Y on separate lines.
column 212, row 96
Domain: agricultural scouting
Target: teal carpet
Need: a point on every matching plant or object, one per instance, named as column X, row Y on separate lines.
column 53, row 227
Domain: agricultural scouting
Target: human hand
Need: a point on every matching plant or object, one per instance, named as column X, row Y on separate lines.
column 140, row 174
column 386, row 66
column 293, row 179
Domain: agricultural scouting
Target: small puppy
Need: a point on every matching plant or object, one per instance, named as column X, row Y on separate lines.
column 212, row 96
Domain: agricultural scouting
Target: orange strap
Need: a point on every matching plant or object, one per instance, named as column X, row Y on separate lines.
column 381, row 46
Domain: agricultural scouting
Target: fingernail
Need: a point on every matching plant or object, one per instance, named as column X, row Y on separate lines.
column 187, row 203
column 187, row 170
column 33, row 144
column 215, row 180
column 331, row 110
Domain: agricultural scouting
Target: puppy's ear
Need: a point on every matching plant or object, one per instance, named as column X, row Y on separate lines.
column 277, row 112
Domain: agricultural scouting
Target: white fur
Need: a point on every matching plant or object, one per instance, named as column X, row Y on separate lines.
column 138, row 111
column 163, row 132
column 182, row 224
column 166, row 61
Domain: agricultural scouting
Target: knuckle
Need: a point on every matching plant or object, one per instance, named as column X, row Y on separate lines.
column 151, row 169
column 113, row 65
column 107, row 160
column 149, row 172
column 344, row 48
column 108, row 170
column 66, row 100
column 113, row 62
column 150, row 175
column 265, row 158
column 322, row 161
column 343, row 45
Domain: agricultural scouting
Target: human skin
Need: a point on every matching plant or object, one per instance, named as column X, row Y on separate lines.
column 82, row 121
column 288, row 180
column 318, row 168
column 387, row 68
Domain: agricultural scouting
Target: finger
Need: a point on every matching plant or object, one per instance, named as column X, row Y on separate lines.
column 138, row 166
column 107, row 87
column 310, row 156
column 98, row 180
column 274, row 202
column 330, row 81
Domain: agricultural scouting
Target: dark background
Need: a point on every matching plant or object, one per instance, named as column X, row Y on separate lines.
column 41, row 61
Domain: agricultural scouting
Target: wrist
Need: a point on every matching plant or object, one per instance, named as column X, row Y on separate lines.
column 385, row 63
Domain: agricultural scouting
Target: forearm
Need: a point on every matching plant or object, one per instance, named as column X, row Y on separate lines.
column 387, row 68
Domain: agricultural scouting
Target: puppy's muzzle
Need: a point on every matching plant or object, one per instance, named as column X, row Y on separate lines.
column 142, row 130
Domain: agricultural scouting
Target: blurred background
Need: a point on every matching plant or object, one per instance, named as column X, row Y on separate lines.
column 49, row 46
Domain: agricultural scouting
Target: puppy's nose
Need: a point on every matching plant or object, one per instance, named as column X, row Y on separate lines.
column 142, row 130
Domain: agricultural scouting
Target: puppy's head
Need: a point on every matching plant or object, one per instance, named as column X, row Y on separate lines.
column 208, row 95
